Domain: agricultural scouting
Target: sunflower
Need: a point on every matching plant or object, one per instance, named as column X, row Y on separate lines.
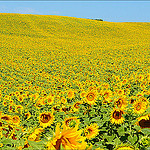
column 46, row 119
column 27, row 115
column 125, row 148
column 70, row 94
column 32, row 137
column 120, row 92
column 68, row 138
column 139, row 107
column 50, row 100
column 71, row 122
column 19, row 108
column 90, row 97
column 11, row 108
column 15, row 120
column 132, row 100
column 34, row 97
column 35, row 136
column 63, row 100
column 121, row 103
column 6, row 118
column 82, row 94
column 91, row 131
column 76, row 105
column 20, row 98
column 107, row 95
column 144, row 121
column 144, row 99
column 116, row 116
column 5, row 103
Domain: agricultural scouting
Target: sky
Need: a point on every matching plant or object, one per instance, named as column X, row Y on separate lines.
column 112, row 11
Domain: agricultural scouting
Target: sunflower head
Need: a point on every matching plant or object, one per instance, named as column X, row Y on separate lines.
column 91, row 131
column 90, row 97
column 71, row 122
column 63, row 100
column 116, row 116
column 27, row 115
column 70, row 94
column 50, row 99
column 121, row 103
column 46, row 119
column 125, row 148
column 6, row 118
column 139, row 107
column 15, row 120
column 76, row 105
column 144, row 121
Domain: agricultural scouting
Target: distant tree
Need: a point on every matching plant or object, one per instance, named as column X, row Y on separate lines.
column 99, row 19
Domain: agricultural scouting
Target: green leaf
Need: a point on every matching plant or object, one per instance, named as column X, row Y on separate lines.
column 110, row 138
column 61, row 147
column 146, row 131
column 121, row 131
column 36, row 145
column 137, row 127
column 132, row 139
column 116, row 141
column 7, row 141
column 95, row 119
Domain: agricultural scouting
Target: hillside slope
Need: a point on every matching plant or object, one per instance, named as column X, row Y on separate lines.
column 35, row 44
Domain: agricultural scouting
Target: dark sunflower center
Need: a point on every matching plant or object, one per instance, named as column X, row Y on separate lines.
column 117, row 114
column 5, row 118
column 90, row 96
column 89, row 130
column 119, row 103
column 45, row 118
column 138, row 107
column 132, row 101
column 68, row 121
column 76, row 105
column 144, row 123
column 15, row 119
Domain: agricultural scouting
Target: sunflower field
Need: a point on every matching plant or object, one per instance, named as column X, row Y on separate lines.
column 73, row 84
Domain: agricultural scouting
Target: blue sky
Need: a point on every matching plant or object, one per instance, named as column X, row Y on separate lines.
column 113, row 11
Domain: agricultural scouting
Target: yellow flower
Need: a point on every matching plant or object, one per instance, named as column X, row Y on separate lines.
column 71, row 122
column 19, row 108
column 107, row 95
column 63, row 100
column 68, row 138
column 35, row 136
column 32, row 137
column 15, row 120
column 6, row 118
column 116, row 116
column 1, row 144
column 76, row 106
column 144, row 121
column 50, row 99
column 5, row 103
column 91, row 131
column 139, row 107
column 121, row 103
column 20, row 98
column 46, row 119
column 70, row 94
column 27, row 115
column 125, row 148
column 90, row 97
